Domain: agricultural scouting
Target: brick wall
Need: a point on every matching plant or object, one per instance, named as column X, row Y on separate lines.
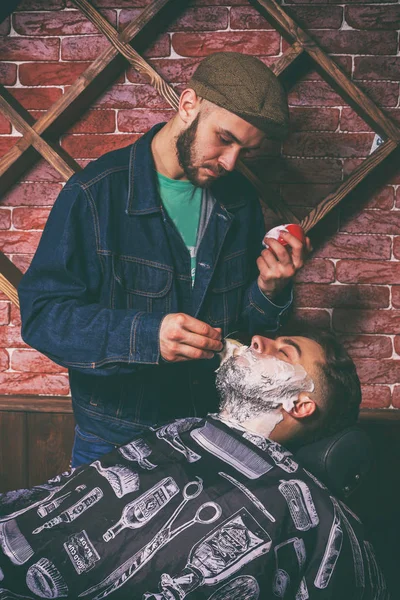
column 352, row 283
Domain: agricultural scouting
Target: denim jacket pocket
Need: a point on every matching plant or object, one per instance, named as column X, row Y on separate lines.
column 224, row 303
column 146, row 285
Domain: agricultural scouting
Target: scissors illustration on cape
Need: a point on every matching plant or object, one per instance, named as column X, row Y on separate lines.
column 165, row 535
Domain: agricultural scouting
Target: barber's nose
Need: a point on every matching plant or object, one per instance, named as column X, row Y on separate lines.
column 229, row 158
column 260, row 344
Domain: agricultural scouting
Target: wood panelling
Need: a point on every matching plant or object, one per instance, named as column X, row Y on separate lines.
column 34, row 446
column 13, row 471
column 49, row 445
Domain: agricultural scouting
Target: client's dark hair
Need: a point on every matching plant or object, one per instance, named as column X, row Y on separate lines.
column 341, row 390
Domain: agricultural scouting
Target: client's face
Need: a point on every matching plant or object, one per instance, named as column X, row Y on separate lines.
column 266, row 376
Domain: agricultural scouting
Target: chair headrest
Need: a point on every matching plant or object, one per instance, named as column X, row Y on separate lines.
column 341, row 461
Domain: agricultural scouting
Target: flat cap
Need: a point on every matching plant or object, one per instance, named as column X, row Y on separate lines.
column 246, row 87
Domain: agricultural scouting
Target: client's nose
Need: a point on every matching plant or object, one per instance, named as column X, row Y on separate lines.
column 259, row 343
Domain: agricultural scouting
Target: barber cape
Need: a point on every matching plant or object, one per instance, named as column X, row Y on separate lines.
column 194, row 509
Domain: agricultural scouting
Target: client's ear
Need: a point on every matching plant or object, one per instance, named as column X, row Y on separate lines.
column 303, row 407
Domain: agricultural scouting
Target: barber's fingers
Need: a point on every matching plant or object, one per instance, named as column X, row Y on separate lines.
column 183, row 337
column 278, row 251
column 298, row 250
column 194, row 325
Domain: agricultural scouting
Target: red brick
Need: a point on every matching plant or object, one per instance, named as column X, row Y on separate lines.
column 397, row 199
column 382, row 199
column 344, row 62
column 15, row 315
column 140, row 121
column 6, row 143
column 5, row 313
column 396, row 396
column 373, row 17
column 116, row 3
column 377, row 67
column 51, row 73
column 32, row 194
column 396, row 296
column 376, row 221
column 368, row 346
column 384, row 93
column 314, row 93
column 22, row 261
column 336, row 1
column 42, row 171
column 173, row 70
column 314, row 119
column 317, row 271
column 131, row 96
column 351, row 121
column 36, row 98
column 366, row 321
column 33, row 362
column 13, row 242
column 339, row 296
column 71, row 22
column 350, row 164
column 375, row 396
column 192, row 19
column 305, row 194
column 4, row 360
column 378, row 371
column 27, row 384
column 5, row 125
column 364, row 271
column 397, row 344
column 298, row 170
column 217, row 2
column 307, row 93
column 251, row 42
column 396, row 248
column 93, row 146
column 5, row 26
column 8, row 73
column 5, row 218
column 16, row 48
column 314, row 317
column 95, row 121
column 10, row 337
column 356, row 246
column 333, row 145
column 247, row 17
column 317, row 17
column 356, row 42
column 30, row 218
column 89, row 48
column 38, row 5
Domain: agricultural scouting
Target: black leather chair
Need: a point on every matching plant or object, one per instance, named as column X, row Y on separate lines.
column 341, row 461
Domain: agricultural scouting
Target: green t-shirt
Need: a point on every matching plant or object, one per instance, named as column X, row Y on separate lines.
column 182, row 201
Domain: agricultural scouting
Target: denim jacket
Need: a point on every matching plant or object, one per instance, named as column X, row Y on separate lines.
column 111, row 264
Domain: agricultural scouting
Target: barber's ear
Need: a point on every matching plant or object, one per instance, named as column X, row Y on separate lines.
column 188, row 105
column 303, row 407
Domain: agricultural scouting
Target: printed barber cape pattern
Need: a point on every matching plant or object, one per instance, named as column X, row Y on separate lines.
column 194, row 510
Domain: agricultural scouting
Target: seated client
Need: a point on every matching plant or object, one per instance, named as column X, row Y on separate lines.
column 213, row 508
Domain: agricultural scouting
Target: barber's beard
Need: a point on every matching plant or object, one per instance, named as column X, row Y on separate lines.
column 246, row 394
column 186, row 153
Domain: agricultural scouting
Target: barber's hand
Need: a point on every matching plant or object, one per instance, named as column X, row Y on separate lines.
column 185, row 338
column 279, row 264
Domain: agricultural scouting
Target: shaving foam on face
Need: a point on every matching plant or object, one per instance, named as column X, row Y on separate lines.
column 230, row 348
column 253, row 384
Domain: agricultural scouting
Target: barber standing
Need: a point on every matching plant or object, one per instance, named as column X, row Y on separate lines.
column 152, row 254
